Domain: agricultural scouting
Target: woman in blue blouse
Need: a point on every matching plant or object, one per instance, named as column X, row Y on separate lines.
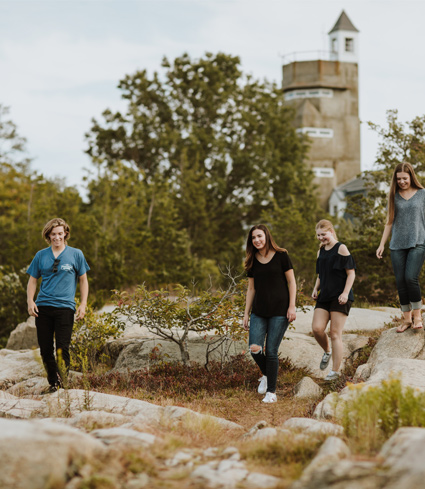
column 406, row 224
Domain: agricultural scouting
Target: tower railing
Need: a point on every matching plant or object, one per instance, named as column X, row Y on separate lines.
column 307, row 56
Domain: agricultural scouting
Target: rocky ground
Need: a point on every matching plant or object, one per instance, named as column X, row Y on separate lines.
column 78, row 439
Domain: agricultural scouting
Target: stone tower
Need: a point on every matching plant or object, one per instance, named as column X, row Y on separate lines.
column 324, row 93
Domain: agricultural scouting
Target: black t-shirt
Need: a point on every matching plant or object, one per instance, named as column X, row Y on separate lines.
column 271, row 288
column 331, row 268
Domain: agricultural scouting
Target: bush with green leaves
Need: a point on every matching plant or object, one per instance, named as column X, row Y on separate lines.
column 13, row 302
column 173, row 314
column 89, row 338
column 372, row 415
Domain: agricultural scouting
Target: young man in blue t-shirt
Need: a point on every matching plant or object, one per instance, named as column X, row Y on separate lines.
column 60, row 268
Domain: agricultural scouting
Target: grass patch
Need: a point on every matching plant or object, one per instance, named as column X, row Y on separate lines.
column 284, row 456
column 225, row 390
column 374, row 414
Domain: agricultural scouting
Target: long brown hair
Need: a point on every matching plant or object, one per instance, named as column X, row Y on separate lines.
column 414, row 182
column 251, row 249
column 326, row 226
column 57, row 221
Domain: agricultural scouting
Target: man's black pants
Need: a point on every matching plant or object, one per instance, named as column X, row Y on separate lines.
column 54, row 323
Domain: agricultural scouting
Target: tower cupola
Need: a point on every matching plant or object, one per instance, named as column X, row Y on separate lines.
column 343, row 40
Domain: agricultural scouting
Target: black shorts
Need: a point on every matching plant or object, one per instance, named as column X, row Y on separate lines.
column 335, row 306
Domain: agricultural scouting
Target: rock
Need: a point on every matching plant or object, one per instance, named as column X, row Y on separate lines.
column 17, row 366
column 231, row 453
column 307, row 388
column 331, row 451
column 326, row 409
column 124, row 436
column 410, row 372
column 14, row 407
column 398, row 465
column 264, row 434
column 226, row 474
column 256, row 480
column 73, row 401
column 31, row 387
column 345, row 474
column 182, row 457
column 89, row 420
column 363, row 372
column 231, row 474
column 40, row 454
column 303, row 351
column 173, row 413
column 135, row 355
column 24, row 336
column 397, row 345
column 312, row 426
column 404, row 459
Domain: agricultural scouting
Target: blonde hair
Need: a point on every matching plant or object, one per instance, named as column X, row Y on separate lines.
column 57, row 221
column 326, row 226
column 404, row 167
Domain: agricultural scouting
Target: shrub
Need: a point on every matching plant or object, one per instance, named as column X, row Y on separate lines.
column 173, row 315
column 176, row 380
column 89, row 337
column 373, row 415
column 13, row 301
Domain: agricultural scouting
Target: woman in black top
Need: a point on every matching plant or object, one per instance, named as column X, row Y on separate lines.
column 271, row 296
column 336, row 273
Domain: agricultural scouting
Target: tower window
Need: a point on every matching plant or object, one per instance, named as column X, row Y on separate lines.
column 349, row 45
column 334, row 46
column 320, row 92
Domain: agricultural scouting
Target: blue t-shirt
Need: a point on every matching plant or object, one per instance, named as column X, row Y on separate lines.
column 58, row 288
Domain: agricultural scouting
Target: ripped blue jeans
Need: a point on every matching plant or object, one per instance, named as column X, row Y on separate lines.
column 271, row 331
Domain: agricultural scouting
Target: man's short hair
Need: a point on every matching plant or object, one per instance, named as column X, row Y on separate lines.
column 57, row 221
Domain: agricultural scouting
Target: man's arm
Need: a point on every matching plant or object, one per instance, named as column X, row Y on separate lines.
column 31, row 288
column 84, row 293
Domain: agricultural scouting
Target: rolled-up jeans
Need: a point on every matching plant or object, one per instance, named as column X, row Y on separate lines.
column 407, row 266
column 270, row 331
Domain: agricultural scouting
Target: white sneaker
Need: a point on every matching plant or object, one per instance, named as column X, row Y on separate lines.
column 325, row 360
column 332, row 376
column 262, row 388
column 270, row 397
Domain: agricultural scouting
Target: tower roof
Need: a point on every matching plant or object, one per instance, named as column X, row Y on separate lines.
column 343, row 24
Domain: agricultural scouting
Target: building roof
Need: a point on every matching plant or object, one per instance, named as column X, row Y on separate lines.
column 356, row 184
column 343, row 24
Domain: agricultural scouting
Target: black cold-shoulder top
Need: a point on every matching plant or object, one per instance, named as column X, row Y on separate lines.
column 331, row 268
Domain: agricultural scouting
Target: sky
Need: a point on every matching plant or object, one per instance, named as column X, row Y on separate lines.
column 61, row 60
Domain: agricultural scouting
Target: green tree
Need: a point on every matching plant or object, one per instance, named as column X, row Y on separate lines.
column 221, row 142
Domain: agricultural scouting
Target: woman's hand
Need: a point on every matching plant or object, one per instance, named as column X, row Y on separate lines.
column 291, row 314
column 343, row 298
column 314, row 294
column 380, row 251
column 246, row 321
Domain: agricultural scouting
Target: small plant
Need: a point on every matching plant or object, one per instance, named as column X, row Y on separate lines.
column 89, row 337
column 371, row 416
column 283, row 456
column 13, row 302
column 173, row 315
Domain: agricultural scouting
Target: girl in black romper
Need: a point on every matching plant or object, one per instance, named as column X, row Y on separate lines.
column 336, row 273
